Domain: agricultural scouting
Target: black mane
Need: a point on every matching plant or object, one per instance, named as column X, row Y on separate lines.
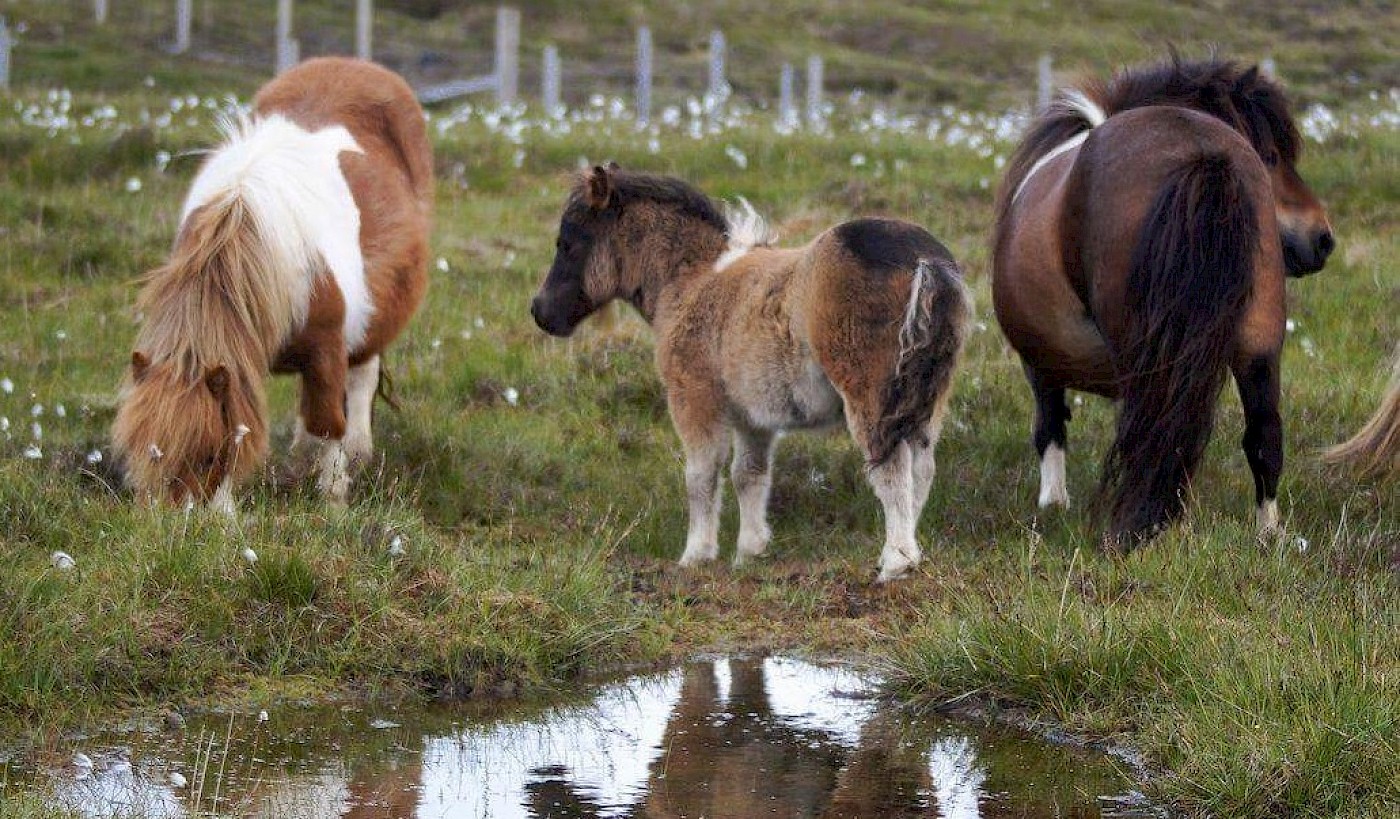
column 1243, row 98
column 631, row 186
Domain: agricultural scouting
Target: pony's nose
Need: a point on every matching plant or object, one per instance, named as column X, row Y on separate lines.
column 1324, row 245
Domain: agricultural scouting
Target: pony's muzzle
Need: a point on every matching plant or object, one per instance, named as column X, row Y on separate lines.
column 1303, row 255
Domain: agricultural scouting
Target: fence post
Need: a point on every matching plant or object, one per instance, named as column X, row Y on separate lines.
column 6, row 41
column 814, row 92
column 553, row 106
column 643, row 75
column 99, row 11
column 507, row 53
column 1045, row 82
column 787, row 106
column 364, row 29
column 184, row 19
column 1269, row 68
column 718, row 88
column 286, row 47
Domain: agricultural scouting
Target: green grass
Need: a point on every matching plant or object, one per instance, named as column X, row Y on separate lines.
column 1258, row 678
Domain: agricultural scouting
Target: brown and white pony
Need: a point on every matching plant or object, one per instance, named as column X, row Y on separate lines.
column 866, row 322
column 1374, row 451
column 1143, row 233
column 302, row 248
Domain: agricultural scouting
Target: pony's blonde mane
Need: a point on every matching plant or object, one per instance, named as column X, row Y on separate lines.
column 746, row 229
column 1375, row 450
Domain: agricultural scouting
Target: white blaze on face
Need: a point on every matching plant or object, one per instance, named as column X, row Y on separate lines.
column 1053, row 487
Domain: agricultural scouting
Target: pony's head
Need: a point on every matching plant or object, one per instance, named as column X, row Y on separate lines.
column 1263, row 116
column 620, row 233
column 183, row 435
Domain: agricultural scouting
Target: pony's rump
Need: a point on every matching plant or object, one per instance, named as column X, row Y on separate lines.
column 1188, row 286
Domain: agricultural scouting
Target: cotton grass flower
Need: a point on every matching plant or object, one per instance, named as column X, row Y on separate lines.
column 249, row 555
column 64, row 562
column 177, row 780
column 94, row 457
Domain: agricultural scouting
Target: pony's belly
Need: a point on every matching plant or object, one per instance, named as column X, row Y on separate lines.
column 809, row 401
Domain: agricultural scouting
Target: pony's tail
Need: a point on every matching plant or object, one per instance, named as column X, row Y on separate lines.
column 930, row 342
column 1188, row 286
column 1375, row 450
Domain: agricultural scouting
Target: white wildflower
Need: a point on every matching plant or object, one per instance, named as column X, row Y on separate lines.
column 33, row 452
column 511, row 395
column 442, row 265
column 36, row 431
column 154, row 452
column 249, row 555
column 239, row 433
column 177, row 780
column 36, row 410
column 736, row 156
column 857, row 160
column 60, row 411
column 133, row 184
column 94, row 457
column 6, row 385
column 262, row 716
column 396, row 548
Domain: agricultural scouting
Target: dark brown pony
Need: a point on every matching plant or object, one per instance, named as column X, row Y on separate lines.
column 1143, row 233
column 302, row 248
column 864, row 324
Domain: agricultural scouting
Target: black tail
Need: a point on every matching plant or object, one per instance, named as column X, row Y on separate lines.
column 930, row 341
column 1189, row 285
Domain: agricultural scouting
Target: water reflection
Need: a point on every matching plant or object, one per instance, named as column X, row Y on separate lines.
column 736, row 738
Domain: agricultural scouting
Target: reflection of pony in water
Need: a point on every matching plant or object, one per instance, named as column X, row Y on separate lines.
column 302, row 248
column 865, row 323
column 1143, row 233
column 1374, row 451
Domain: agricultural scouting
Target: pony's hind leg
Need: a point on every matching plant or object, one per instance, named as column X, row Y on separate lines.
column 1258, row 382
column 1050, row 438
column 360, row 385
column 894, row 484
column 752, row 473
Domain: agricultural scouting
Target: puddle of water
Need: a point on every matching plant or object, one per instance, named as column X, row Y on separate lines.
column 740, row 738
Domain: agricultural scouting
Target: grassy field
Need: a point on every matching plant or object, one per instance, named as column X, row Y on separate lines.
column 536, row 486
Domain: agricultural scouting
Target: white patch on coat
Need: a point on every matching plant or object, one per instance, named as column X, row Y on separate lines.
column 747, row 230
column 1053, row 487
column 296, row 190
column 1091, row 111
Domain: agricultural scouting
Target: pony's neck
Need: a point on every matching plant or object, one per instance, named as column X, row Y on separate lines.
column 665, row 268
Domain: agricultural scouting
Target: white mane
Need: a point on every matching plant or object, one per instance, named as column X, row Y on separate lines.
column 746, row 231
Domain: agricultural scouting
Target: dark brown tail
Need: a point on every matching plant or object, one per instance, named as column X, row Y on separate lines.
column 1375, row 450
column 1188, row 287
column 930, row 341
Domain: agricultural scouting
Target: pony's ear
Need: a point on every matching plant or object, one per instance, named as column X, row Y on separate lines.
column 139, row 365
column 600, row 186
column 217, row 380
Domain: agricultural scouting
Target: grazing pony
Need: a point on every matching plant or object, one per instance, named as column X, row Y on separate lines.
column 1374, row 451
column 866, row 322
column 302, row 248
column 1143, row 233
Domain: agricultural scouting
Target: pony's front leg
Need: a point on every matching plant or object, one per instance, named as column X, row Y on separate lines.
column 360, row 386
column 323, row 416
column 1258, row 380
column 752, row 473
column 706, row 447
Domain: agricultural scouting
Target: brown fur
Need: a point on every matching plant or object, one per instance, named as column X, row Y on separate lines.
column 780, row 339
column 1145, row 261
column 1374, row 451
column 218, row 319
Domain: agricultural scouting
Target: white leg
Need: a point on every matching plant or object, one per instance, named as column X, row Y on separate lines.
column 223, row 499
column 752, row 473
column 1267, row 517
column 1053, row 488
column 360, row 385
column 893, row 482
column 333, row 471
column 703, row 463
column 922, row 467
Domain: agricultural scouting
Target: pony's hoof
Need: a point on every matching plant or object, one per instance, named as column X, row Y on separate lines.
column 697, row 558
column 1267, row 520
column 895, row 571
column 749, row 550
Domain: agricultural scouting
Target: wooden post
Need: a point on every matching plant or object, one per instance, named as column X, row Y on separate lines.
column 553, row 106
column 286, row 46
column 364, row 29
column 718, row 88
column 6, row 42
column 184, row 19
column 787, row 106
column 815, row 114
column 1045, row 83
column 643, row 75
column 99, row 11
column 1269, row 68
column 507, row 54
